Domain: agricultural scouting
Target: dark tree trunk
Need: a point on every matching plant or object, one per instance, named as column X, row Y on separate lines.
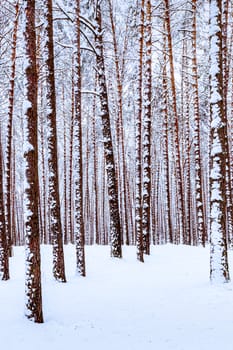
column 115, row 229
column 54, row 197
column 31, row 191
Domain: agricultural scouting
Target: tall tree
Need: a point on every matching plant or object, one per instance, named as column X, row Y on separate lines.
column 178, row 169
column 10, row 132
column 115, row 227
column 78, row 176
column 138, row 140
column 218, row 236
column 4, row 259
column 31, row 190
column 201, row 225
column 146, row 151
column 53, row 176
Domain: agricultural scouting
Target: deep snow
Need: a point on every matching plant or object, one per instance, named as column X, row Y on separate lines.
column 167, row 303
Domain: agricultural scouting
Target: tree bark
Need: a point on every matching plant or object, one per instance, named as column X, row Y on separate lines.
column 31, row 190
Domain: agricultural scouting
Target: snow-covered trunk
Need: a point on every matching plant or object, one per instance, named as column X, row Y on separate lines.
column 115, row 228
column 187, row 161
column 53, row 176
column 77, row 142
column 122, row 179
column 31, row 183
column 218, row 243
column 146, row 142
column 70, row 196
column 4, row 259
column 166, row 160
column 96, row 220
column 138, row 142
column 178, row 170
column 65, row 187
column 200, row 216
column 8, row 196
column 226, row 52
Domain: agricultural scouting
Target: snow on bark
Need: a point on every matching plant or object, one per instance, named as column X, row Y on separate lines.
column 115, row 227
column 77, row 142
column 201, row 227
column 138, row 142
column 218, row 244
column 146, row 194
column 31, row 184
column 4, row 259
column 53, row 178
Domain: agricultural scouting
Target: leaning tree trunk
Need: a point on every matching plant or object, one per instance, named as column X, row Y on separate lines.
column 31, row 190
column 115, row 227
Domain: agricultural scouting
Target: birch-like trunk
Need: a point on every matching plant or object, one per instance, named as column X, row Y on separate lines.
column 4, row 259
column 115, row 228
column 138, row 141
column 218, row 236
column 146, row 142
column 201, row 225
column 77, row 142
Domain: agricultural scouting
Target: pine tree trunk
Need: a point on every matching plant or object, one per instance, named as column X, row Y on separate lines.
column 78, row 176
column 4, row 259
column 115, row 228
column 54, row 196
column 168, row 211
column 178, row 171
column 219, row 271
column 201, row 226
column 146, row 151
column 10, row 134
column 31, row 190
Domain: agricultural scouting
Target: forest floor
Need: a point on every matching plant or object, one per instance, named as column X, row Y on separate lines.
column 167, row 303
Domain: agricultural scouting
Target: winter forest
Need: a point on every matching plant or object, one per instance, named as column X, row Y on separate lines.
column 115, row 131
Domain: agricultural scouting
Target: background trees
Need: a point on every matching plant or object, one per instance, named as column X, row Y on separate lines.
column 123, row 124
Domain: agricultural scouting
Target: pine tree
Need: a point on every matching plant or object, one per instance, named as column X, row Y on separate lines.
column 78, row 174
column 4, row 259
column 218, row 236
column 115, row 227
column 31, row 190
column 54, row 196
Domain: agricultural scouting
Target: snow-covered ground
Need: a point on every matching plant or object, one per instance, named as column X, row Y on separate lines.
column 165, row 304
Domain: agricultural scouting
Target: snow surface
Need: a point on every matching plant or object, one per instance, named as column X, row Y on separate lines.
column 165, row 303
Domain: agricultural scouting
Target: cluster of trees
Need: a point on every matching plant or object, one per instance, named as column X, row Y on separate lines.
column 124, row 111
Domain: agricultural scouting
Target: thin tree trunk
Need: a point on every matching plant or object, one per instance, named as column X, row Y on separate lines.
column 4, row 258
column 201, row 225
column 115, row 229
column 146, row 151
column 10, row 134
column 138, row 140
column 78, row 172
column 180, row 199
column 54, row 196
